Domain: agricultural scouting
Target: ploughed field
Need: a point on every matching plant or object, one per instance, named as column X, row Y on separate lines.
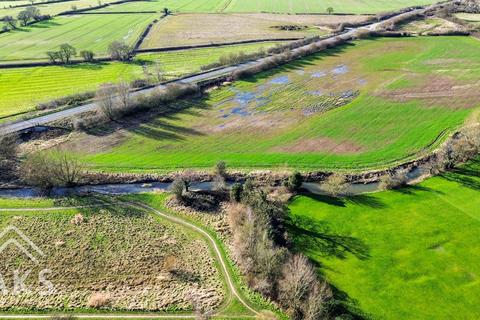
column 21, row 89
column 405, row 254
column 365, row 105
column 110, row 257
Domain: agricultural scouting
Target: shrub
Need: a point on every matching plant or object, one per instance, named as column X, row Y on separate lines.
column 294, row 182
column 87, row 55
column 99, row 300
column 219, row 183
column 221, row 169
column 119, row 51
column 8, row 148
column 397, row 180
column 236, row 192
column 335, row 185
column 47, row 170
column 177, row 188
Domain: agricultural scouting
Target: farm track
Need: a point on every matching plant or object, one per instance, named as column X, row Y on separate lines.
column 232, row 291
column 9, row 128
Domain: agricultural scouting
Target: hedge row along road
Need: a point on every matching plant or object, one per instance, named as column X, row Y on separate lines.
column 43, row 120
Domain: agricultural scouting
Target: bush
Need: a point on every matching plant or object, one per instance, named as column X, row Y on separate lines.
column 294, row 182
column 119, row 51
column 335, row 185
column 87, row 55
column 177, row 188
column 397, row 180
column 47, row 170
column 99, row 300
column 236, row 192
column 221, row 169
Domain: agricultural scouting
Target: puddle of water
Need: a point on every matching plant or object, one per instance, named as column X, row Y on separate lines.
column 280, row 80
column 316, row 93
column 241, row 111
column 300, row 72
column 341, row 69
column 318, row 74
column 362, row 82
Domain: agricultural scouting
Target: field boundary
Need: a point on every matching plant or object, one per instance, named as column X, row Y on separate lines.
column 211, row 45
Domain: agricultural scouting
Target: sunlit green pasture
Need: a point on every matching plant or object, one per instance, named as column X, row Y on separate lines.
column 84, row 32
column 406, row 254
column 412, row 93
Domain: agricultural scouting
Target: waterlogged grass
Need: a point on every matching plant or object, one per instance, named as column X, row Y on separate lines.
column 278, row 119
column 84, row 32
column 23, row 88
column 406, row 254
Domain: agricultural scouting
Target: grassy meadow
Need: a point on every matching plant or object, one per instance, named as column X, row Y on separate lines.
column 49, row 8
column 406, row 254
column 365, row 105
column 276, row 6
column 320, row 6
column 23, row 88
column 84, row 32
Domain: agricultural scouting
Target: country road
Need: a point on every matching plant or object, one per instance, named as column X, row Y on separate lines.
column 232, row 291
column 13, row 127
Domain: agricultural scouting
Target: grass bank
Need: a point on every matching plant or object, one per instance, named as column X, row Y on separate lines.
column 394, row 253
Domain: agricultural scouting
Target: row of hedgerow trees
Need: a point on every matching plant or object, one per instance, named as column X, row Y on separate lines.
column 117, row 51
column 24, row 17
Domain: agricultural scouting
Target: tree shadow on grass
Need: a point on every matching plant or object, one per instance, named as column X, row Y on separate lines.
column 315, row 236
column 467, row 176
column 364, row 200
column 413, row 190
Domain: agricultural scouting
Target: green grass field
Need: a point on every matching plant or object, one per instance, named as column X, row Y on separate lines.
column 277, row 6
column 280, row 118
column 406, row 254
column 23, row 88
column 316, row 6
column 50, row 8
column 86, row 32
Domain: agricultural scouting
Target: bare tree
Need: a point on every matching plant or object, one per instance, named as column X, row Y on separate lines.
column 105, row 99
column 201, row 312
column 25, row 17
column 158, row 71
column 46, row 170
column 298, row 278
column 124, row 96
column 67, row 170
column 87, row 55
column 119, row 51
column 315, row 305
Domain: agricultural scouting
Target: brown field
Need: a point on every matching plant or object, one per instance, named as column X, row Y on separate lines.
column 194, row 29
column 430, row 25
column 120, row 259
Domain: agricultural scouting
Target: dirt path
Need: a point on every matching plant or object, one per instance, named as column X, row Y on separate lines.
column 232, row 291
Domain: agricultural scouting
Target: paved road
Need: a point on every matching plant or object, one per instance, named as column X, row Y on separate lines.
column 42, row 120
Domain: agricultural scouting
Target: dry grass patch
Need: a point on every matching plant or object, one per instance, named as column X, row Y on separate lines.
column 435, row 90
column 431, row 25
column 195, row 29
column 118, row 259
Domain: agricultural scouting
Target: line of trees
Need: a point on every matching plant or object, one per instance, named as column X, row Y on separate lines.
column 24, row 17
column 260, row 249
